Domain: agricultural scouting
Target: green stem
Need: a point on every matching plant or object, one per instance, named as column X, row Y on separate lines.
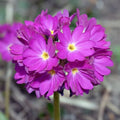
column 56, row 106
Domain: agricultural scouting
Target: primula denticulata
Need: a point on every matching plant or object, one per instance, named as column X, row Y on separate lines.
column 50, row 57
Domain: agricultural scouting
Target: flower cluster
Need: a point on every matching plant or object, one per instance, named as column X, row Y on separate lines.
column 52, row 57
column 8, row 36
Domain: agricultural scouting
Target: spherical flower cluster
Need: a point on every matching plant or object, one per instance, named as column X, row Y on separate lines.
column 8, row 36
column 52, row 57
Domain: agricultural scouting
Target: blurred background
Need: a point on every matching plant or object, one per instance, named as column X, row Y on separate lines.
column 103, row 103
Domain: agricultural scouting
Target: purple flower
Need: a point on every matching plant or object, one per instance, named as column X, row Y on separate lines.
column 21, row 75
column 97, row 32
column 29, row 23
column 64, row 18
column 99, row 37
column 47, row 24
column 101, row 60
column 49, row 82
column 7, row 39
column 51, row 57
column 83, row 20
column 5, row 50
column 24, row 34
column 43, row 13
column 17, row 50
column 79, row 76
column 75, row 46
column 40, row 56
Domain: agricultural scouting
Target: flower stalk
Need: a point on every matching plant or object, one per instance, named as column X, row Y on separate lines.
column 56, row 106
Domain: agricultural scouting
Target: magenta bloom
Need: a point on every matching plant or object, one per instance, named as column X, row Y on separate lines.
column 64, row 18
column 49, row 82
column 8, row 37
column 47, row 24
column 99, row 37
column 97, row 32
column 5, row 50
column 51, row 57
column 75, row 45
column 17, row 50
column 79, row 76
column 24, row 34
column 21, row 75
column 39, row 56
column 83, row 20
column 101, row 60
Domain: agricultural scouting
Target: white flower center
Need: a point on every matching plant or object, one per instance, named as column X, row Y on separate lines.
column 71, row 47
column 45, row 55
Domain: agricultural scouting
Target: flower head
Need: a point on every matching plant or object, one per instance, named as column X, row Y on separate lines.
column 52, row 57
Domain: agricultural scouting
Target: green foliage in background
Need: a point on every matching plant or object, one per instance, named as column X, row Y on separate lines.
column 49, row 112
column 50, row 109
column 2, row 14
column 2, row 116
column 116, row 53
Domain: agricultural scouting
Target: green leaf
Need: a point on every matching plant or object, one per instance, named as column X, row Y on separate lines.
column 42, row 115
column 50, row 109
column 2, row 116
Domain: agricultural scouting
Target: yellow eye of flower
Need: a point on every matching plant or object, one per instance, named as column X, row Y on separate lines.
column 74, row 71
column 52, row 32
column 52, row 72
column 45, row 55
column 71, row 47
